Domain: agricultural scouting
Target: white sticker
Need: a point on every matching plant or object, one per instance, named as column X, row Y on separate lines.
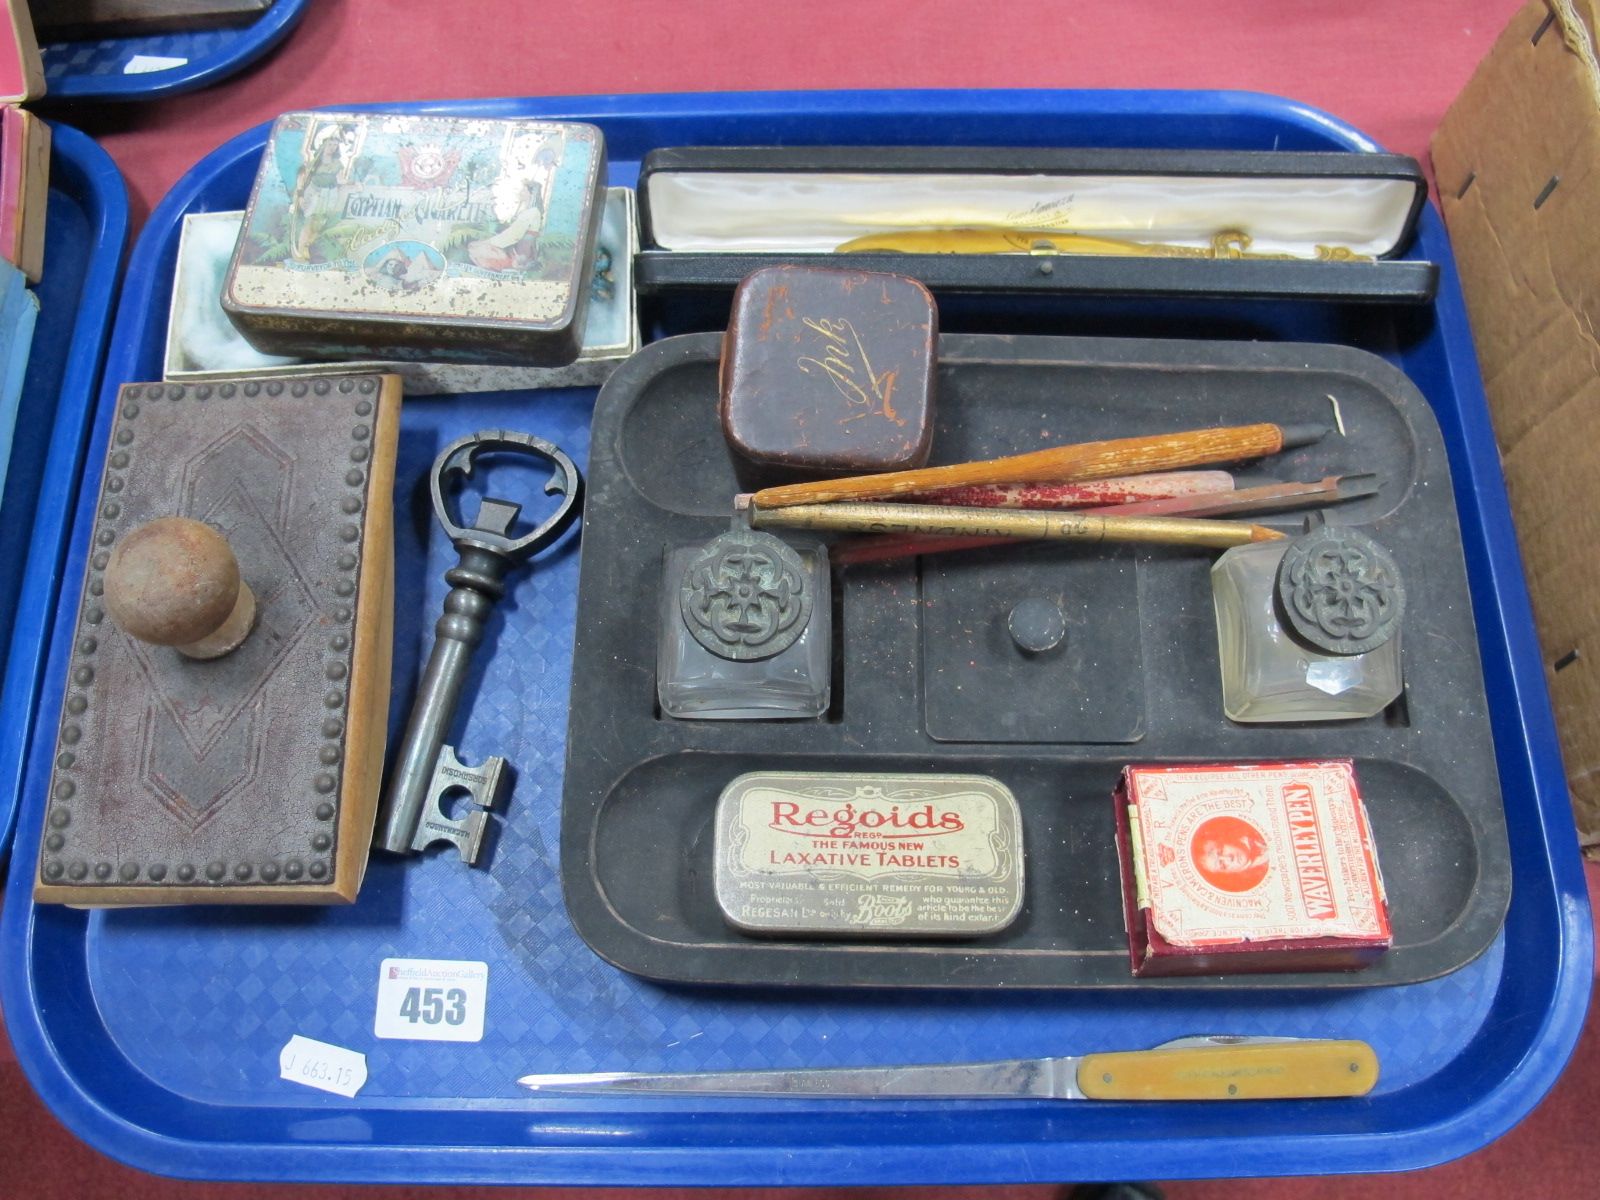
column 431, row 1000
column 318, row 1065
column 145, row 64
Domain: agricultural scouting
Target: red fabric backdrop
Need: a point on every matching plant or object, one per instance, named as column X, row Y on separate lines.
column 1388, row 68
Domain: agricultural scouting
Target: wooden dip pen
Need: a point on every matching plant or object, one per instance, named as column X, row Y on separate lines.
column 1059, row 464
column 846, row 505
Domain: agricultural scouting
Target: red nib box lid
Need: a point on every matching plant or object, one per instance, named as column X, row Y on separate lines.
column 1248, row 867
column 827, row 373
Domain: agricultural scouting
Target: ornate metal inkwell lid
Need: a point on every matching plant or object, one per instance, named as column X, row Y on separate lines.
column 1339, row 591
column 746, row 596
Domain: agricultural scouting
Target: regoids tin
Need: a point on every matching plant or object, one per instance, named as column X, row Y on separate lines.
column 868, row 855
column 419, row 237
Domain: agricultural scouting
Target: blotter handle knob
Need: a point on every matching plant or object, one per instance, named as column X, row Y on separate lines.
column 175, row 582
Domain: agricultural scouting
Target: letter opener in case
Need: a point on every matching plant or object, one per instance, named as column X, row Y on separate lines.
column 1193, row 1068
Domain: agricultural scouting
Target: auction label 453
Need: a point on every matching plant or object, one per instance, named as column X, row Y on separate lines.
column 431, row 1000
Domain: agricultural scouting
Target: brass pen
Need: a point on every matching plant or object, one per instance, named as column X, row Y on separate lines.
column 1021, row 524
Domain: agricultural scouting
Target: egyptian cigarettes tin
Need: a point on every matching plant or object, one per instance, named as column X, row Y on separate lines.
column 867, row 855
column 203, row 346
column 1248, row 867
column 419, row 237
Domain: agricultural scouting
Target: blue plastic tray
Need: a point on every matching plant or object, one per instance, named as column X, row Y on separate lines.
column 98, row 69
column 155, row 1035
column 86, row 227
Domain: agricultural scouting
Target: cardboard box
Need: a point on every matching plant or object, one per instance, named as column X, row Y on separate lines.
column 1248, row 867
column 24, row 189
column 21, row 68
column 1517, row 165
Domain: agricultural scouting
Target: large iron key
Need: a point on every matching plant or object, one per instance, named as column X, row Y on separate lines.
column 427, row 770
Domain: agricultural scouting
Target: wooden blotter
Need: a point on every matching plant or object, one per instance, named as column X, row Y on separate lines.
column 252, row 778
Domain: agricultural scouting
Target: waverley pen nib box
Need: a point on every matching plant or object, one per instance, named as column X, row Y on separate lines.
column 1266, row 866
column 426, row 238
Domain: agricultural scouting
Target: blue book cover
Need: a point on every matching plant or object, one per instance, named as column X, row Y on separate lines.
column 19, row 310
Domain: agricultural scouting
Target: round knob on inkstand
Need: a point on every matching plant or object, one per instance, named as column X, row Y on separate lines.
column 175, row 582
column 1037, row 625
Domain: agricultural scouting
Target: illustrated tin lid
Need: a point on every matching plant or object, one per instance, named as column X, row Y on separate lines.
column 436, row 231
column 1339, row 591
column 869, row 855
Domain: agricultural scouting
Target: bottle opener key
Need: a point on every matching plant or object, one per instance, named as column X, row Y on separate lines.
column 427, row 769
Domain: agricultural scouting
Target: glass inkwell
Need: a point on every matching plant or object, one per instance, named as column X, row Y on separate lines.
column 745, row 629
column 1308, row 629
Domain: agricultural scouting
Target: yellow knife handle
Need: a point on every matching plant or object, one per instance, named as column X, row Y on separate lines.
column 1249, row 1071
